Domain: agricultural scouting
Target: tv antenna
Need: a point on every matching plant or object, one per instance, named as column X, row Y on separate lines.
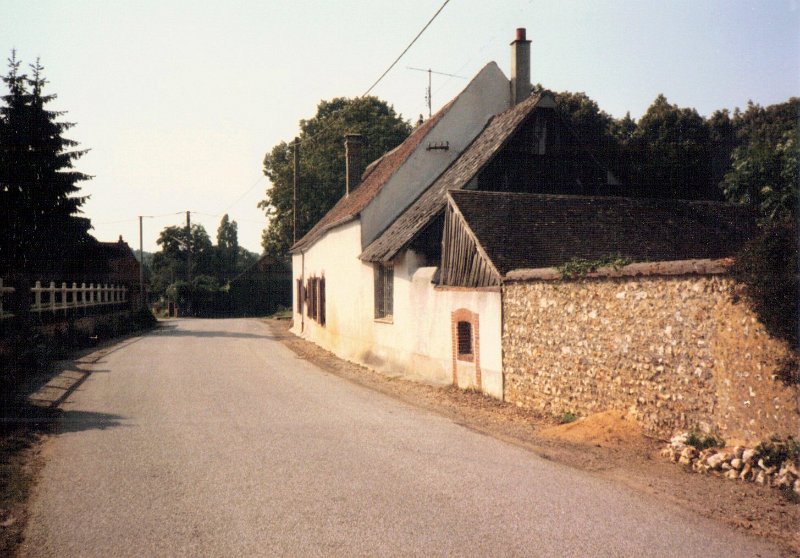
column 428, row 90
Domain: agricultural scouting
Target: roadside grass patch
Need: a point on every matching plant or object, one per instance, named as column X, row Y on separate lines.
column 567, row 418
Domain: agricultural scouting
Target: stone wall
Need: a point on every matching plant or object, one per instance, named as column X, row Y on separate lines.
column 678, row 352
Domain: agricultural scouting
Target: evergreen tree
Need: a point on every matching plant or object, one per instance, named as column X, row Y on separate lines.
column 37, row 180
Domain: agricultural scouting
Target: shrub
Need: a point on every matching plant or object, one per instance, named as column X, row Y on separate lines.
column 704, row 441
column 767, row 268
column 777, row 450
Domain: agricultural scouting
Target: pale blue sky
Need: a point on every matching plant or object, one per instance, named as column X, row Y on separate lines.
column 179, row 100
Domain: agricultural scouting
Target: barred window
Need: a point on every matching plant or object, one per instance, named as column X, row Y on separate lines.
column 384, row 287
column 464, row 332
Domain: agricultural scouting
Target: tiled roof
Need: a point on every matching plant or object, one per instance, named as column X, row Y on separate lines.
column 529, row 231
column 493, row 137
column 373, row 179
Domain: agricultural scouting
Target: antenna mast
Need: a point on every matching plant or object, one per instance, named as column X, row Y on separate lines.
column 428, row 93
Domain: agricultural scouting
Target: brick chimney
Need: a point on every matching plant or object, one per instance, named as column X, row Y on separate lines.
column 352, row 155
column 520, row 68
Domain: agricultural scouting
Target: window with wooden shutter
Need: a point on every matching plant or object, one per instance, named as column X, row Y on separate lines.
column 322, row 301
column 299, row 296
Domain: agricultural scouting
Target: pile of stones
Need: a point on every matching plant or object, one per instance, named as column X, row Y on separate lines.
column 740, row 463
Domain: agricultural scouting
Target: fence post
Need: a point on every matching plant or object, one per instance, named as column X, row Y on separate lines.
column 52, row 297
column 37, row 297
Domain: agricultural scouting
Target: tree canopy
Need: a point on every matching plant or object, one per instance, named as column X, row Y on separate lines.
column 38, row 184
column 749, row 156
column 212, row 265
column 322, row 166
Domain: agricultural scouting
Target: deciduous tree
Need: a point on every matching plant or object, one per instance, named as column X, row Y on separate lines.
column 322, row 168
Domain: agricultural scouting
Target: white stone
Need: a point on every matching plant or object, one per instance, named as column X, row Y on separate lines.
column 714, row 461
column 748, row 455
column 736, row 463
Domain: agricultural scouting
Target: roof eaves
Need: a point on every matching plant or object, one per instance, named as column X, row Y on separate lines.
column 303, row 243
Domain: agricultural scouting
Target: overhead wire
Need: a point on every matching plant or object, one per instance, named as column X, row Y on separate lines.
column 383, row 75
column 309, row 139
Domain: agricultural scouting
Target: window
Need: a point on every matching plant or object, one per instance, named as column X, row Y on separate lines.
column 315, row 299
column 299, row 296
column 464, row 335
column 384, row 286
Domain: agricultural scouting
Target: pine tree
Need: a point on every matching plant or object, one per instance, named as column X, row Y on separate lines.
column 40, row 226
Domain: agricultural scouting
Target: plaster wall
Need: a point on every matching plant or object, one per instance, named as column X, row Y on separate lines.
column 678, row 353
column 486, row 95
column 417, row 341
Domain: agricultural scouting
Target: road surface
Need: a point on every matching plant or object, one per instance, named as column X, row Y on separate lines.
column 209, row 438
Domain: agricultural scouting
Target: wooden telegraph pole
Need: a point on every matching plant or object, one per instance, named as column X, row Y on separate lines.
column 296, row 185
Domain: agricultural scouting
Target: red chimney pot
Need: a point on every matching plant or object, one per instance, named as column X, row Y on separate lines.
column 521, row 34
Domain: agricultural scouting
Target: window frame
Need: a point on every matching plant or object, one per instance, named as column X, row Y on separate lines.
column 464, row 339
column 383, row 292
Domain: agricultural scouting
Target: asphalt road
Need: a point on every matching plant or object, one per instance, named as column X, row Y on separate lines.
column 208, row 438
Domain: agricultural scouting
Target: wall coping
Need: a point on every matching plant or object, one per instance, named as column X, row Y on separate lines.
column 675, row 267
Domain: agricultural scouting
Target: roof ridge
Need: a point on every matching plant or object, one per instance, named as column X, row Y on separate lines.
column 350, row 206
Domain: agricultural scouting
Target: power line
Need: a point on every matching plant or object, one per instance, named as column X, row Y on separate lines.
column 406, row 49
column 383, row 75
column 260, row 177
column 136, row 218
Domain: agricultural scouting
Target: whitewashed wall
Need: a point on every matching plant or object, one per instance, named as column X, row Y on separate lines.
column 486, row 95
column 417, row 343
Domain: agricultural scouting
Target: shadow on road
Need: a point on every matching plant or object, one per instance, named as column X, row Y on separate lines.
column 171, row 330
column 78, row 421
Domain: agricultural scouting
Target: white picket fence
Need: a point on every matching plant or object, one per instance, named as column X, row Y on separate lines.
column 3, row 291
column 64, row 298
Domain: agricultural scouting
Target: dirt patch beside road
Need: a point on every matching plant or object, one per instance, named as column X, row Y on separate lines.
column 606, row 445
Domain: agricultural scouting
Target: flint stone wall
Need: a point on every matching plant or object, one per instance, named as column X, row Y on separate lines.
column 678, row 352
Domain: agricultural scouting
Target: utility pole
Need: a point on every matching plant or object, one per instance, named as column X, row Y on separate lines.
column 141, row 265
column 296, row 184
column 188, row 248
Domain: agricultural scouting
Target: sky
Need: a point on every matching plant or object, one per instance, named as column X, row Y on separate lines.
column 178, row 101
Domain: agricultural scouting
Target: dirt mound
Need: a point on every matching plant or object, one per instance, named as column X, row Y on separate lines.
column 609, row 428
